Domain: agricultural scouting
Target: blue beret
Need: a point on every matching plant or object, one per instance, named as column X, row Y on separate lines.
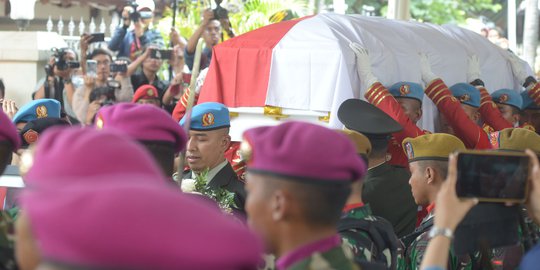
column 528, row 103
column 508, row 97
column 39, row 108
column 466, row 94
column 208, row 116
column 407, row 90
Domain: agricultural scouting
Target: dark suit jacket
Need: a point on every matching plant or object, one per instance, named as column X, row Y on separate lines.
column 386, row 189
column 226, row 178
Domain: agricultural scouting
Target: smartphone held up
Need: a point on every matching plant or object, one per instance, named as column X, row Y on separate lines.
column 493, row 176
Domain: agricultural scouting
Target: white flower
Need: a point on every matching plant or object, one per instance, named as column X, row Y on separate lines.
column 188, row 185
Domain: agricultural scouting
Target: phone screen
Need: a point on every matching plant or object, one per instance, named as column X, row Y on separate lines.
column 97, row 37
column 91, row 68
column 492, row 176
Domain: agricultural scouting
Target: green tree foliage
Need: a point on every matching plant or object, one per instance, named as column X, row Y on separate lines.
column 244, row 15
column 254, row 14
column 444, row 11
column 433, row 11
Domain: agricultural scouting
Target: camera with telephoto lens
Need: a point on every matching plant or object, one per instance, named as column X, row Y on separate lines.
column 134, row 14
column 220, row 13
column 60, row 62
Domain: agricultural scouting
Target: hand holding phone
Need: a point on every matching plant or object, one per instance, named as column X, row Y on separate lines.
column 161, row 54
column 493, row 176
column 97, row 37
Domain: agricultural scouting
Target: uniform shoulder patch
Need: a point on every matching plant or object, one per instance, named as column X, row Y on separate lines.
column 30, row 136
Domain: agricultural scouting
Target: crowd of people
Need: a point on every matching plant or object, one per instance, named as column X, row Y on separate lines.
column 120, row 173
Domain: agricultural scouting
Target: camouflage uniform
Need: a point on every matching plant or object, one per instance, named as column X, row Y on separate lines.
column 416, row 250
column 7, row 254
column 368, row 236
column 337, row 258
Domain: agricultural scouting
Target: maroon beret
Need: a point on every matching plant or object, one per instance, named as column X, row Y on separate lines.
column 8, row 131
column 121, row 225
column 72, row 154
column 142, row 122
column 302, row 150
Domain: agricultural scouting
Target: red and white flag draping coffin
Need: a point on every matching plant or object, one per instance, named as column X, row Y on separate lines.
column 307, row 64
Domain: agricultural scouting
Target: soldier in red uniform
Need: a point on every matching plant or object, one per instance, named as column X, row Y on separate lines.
column 531, row 96
column 489, row 111
column 458, row 107
column 403, row 102
column 530, row 113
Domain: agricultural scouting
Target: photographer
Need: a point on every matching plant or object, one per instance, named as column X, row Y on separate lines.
column 98, row 78
column 210, row 30
column 58, row 84
column 150, row 62
column 131, row 43
column 101, row 96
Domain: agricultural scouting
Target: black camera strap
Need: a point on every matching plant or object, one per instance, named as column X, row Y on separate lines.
column 58, row 87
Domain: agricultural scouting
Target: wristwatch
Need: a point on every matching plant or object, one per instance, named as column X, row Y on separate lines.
column 435, row 231
column 67, row 81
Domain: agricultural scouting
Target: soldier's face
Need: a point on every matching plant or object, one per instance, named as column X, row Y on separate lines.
column 26, row 252
column 259, row 209
column 411, row 107
column 531, row 117
column 150, row 101
column 471, row 112
column 419, row 184
column 206, row 149
column 508, row 113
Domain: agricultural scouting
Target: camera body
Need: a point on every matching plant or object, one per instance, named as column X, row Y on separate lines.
column 106, row 93
column 60, row 62
column 136, row 15
column 116, row 67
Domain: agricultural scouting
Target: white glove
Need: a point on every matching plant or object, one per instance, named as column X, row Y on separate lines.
column 425, row 67
column 517, row 67
column 200, row 80
column 363, row 65
column 473, row 71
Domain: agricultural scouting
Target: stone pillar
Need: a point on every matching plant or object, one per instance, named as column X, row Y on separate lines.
column 23, row 56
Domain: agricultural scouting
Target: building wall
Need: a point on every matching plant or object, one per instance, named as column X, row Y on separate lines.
column 42, row 13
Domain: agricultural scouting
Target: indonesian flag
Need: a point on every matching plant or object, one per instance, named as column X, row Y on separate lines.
column 307, row 65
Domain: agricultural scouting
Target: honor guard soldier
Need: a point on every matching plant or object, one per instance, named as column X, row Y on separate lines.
column 358, row 227
column 530, row 113
column 509, row 103
column 385, row 186
column 402, row 102
column 295, row 197
column 428, row 162
column 39, row 108
column 151, row 126
column 490, row 112
column 458, row 107
column 205, row 153
column 33, row 129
